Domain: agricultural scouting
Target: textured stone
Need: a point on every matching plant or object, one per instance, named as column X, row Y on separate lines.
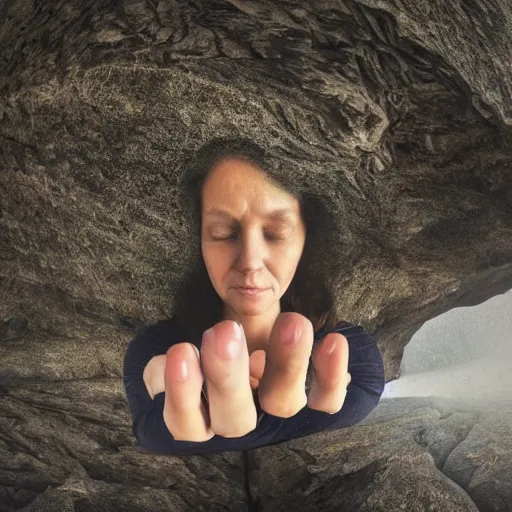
column 399, row 113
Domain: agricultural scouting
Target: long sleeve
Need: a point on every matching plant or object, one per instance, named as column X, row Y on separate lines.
column 148, row 424
column 366, row 369
column 152, row 435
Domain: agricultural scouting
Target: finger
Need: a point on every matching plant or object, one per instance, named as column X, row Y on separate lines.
column 185, row 414
column 154, row 375
column 256, row 367
column 231, row 404
column 282, row 388
column 330, row 376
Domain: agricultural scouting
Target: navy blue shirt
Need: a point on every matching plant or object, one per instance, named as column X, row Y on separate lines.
column 363, row 394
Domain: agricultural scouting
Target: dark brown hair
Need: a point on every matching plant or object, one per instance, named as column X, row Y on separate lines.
column 198, row 306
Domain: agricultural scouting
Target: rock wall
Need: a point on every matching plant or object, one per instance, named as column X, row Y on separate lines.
column 400, row 112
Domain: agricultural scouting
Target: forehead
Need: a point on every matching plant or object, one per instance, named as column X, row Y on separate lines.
column 239, row 186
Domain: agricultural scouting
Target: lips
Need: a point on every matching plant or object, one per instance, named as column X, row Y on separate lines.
column 249, row 286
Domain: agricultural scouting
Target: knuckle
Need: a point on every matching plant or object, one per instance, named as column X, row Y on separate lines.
column 179, row 434
column 326, row 409
column 281, row 412
column 283, row 409
column 230, row 433
column 329, row 402
column 233, row 430
column 242, row 426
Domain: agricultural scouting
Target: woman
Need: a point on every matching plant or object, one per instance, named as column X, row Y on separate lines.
column 279, row 364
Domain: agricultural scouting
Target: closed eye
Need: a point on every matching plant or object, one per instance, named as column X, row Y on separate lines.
column 269, row 237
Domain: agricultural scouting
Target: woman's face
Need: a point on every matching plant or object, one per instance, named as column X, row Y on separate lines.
column 246, row 246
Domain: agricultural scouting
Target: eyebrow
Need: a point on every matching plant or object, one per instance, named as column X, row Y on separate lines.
column 279, row 214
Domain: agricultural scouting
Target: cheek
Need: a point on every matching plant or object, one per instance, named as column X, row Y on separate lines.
column 208, row 258
column 286, row 264
column 216, row 261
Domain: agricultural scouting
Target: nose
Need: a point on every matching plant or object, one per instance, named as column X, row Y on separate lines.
column 252, row 252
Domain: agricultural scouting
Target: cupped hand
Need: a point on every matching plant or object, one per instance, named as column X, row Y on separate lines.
column 279, row 374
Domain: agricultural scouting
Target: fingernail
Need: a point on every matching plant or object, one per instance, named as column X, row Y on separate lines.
column 209, row 336
column 182, row 373
column 238, row 330
column 331, row 347
column 230, row 350
column 291, row 334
